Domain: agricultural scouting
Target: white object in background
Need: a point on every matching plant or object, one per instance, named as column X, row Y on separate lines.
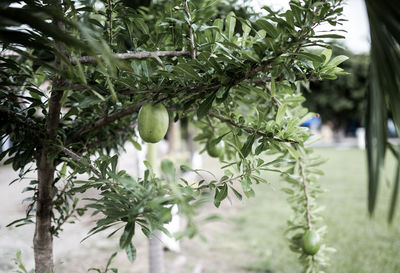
column 197, row 161
column 360, row 133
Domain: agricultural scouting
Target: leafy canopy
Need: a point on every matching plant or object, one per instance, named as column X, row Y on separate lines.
column 237, row 79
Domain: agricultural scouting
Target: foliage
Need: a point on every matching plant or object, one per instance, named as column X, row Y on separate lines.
column 342, row 101
column 105, row 60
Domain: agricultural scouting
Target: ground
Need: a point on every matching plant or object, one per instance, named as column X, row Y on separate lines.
column 248, row 237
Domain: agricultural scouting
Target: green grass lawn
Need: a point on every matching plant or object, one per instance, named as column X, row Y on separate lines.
column 363, row 245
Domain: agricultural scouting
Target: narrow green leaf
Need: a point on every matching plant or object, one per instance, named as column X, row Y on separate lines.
column 126, row 236
column 310, row 56
column 188, row 70
column 246, row 149
column 131, row 252
column 238, row 195
column 230, row 24
column 206, row 105
column 281, row 113
column 220, row 194
column 332, row 36
column 141, row 25
column 338, row 60
column 327, row 52
column 268, row 27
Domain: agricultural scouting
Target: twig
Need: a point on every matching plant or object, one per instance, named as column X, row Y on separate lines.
column 129, row 56
column 191, row 35
column 106, row 120
column 211, row 124
column 250, row 130
column 79, row 159
column 306, row 195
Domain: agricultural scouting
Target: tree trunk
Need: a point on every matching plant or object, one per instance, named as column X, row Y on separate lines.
column 43, row 238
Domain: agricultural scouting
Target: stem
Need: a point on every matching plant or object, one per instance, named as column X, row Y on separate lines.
column 306, row 195
column 211, row 124
column 79, row 159
column 105, row 121
column 191, row 35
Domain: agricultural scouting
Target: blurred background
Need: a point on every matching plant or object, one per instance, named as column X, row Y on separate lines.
column 248, row 236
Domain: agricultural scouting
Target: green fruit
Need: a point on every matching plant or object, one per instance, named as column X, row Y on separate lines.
column 153, row 121
column 311, row 242
column 215, row 150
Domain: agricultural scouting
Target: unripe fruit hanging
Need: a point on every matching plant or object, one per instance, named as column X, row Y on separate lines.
column 215, row 150
column 153, row 121
column 311, row 242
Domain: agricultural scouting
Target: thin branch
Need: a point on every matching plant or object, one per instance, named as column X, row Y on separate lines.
column 250, row 130
column 306, row 195
column 79, row 159
column 211, row 124
column 191, row 35
column 106, row 120
column 129, row 56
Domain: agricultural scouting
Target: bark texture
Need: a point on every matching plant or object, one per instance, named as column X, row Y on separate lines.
column 43, row 238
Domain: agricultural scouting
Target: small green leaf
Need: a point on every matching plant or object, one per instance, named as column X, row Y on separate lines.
column 126, row 236
column 309, row 56
column 327, row 52
column 332, row 36
column 281, row 113
column 246, row 149
column 238, row 195
column 230, row 24
column 268, row 27
column 188, row 70
column 338, row 60
column 220, row 194
column 131, row 252
column 292, row 151
column 273, row 87
column 206, row 105
column 141, row 25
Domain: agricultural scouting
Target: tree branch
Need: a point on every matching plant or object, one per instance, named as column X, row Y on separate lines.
column 250, row 130
column 129, row 56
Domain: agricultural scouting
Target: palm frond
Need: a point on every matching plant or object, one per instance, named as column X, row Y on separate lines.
column 384, row 91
